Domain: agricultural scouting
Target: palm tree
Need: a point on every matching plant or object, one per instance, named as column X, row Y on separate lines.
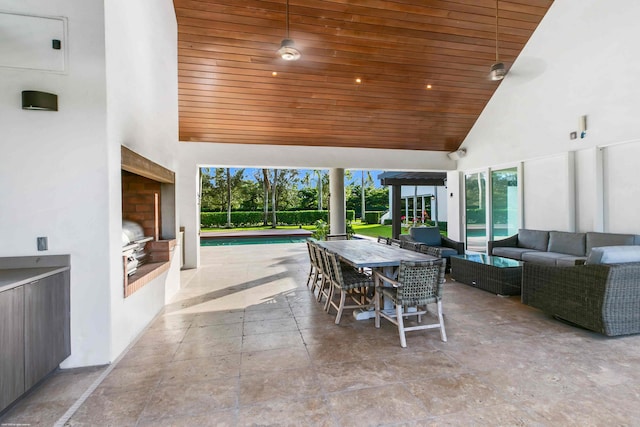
column 369, row 180
column 265, row 193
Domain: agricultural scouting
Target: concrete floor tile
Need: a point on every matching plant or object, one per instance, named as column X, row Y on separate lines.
column 275, row 360
column 191, row 397
column 245, row 343
column 277, row 385
column 294, row 413
column 376, row 406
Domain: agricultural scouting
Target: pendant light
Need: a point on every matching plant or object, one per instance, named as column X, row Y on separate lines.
column 497, row 71
column 287, row 50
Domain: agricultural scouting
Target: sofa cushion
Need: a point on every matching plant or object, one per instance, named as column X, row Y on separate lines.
column 510, row 252
column 533, row 239
column 430, row 236
column 595, row 240
column 567, row 243
column 447, row 252
column 542, row 258
column 570, row 261
column 614, row 255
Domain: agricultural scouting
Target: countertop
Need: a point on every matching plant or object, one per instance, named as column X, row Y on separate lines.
column 14, row 277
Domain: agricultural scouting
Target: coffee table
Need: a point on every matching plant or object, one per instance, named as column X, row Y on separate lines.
column 502, row 276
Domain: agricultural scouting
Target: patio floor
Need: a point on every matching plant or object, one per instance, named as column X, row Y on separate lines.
column 244, row 343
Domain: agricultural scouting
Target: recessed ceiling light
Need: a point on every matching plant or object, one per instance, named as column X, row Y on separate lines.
column 274, row 74
column 358, row 80
column 428, row 86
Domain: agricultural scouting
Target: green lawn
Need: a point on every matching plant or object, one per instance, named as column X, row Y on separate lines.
column 372, row 230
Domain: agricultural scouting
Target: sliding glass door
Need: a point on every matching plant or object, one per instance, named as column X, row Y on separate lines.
column 498, row 190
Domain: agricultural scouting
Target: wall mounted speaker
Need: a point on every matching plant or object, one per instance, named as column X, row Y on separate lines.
column 34, row 100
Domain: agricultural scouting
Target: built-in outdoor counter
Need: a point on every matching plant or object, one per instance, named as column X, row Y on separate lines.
column 34, row 321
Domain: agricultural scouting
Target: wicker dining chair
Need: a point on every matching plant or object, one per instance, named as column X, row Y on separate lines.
column 395, row 242
column 438, row 253
column 419, row 283
column 324, row 284
column 383, row 240
column 412, row 246
column 349, row 282
column 313, row 275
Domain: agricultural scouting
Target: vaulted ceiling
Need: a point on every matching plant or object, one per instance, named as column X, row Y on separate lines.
column 423, row 68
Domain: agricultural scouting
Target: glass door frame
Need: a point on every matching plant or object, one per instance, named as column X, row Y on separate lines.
column 488, row 197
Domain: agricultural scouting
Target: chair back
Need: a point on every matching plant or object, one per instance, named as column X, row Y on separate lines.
column 420, row 282
column 412, row 246
column 433, row 251
column 312, row 253
column 320, row 260
column 395, row 242
column 333, row 266
column 337, row 237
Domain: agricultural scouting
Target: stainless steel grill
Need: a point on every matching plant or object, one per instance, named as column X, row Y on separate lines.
column 133, row 245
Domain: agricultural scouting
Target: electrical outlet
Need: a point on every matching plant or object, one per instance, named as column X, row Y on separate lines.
column 573, row 135
column 43, row 243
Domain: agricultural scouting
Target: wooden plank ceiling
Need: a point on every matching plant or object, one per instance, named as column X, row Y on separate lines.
column 229, row 94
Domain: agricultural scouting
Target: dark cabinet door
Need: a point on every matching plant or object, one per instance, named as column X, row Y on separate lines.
column 11, row 345
column 46, row 324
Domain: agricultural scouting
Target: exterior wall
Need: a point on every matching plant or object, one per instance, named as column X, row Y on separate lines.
column 142, row 114
column 408, row 191
column 64, row 167
column 54, row 170
column 549, row 194
column 454, row 207
column 564, row 72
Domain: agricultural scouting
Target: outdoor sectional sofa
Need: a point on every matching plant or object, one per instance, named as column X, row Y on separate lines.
column 603, row 295
column 556, row 248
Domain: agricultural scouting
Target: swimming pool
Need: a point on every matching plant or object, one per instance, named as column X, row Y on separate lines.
column 252, row 240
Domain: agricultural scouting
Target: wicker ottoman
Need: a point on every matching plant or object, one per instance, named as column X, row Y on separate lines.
column 501, row 276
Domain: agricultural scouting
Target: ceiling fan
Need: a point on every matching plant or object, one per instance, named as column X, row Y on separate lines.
column 287, row 50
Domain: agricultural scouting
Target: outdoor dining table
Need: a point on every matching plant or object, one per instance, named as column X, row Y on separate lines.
column 364, row 253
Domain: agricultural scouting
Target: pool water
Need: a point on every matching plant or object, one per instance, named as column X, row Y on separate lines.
column 252, row 241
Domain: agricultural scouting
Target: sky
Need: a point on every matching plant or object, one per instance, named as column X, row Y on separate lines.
column 356, row 175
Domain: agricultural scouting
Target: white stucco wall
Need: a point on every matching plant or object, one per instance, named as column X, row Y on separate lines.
column 578, row 62
column 60, row 171
column 54, row 170
column 142, row 114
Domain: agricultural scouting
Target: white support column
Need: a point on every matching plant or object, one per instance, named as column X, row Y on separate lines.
column 337, row 207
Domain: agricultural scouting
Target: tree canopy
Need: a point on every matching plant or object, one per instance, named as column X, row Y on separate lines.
column 285, row 188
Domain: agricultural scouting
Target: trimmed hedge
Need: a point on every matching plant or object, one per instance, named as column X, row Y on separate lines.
column 219, row 219
column 373, row 217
